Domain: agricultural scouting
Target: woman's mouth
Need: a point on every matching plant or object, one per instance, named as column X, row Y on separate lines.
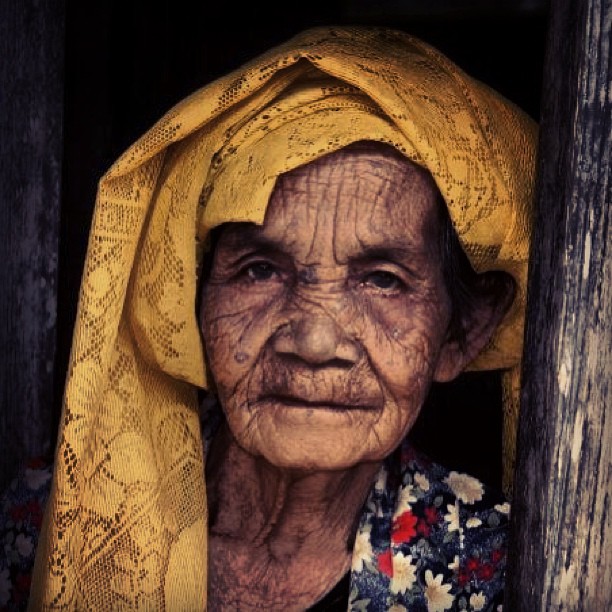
column 316, row 403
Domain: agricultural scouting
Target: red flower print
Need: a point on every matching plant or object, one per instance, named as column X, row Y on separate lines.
column 18, row 513
column 463, row 578
column 497, row 555
column 22, row 582
column 486, row 572
column 404, row 527
column 385, row 563
column 431, row 515
column 35, row 511
column 36, row 463
column 31, row 510
column 472, row 564
column 423, row 528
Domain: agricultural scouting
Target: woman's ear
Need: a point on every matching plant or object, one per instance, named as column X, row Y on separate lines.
column 479, row 324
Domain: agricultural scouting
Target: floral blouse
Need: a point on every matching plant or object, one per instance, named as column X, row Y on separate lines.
column 429, row 539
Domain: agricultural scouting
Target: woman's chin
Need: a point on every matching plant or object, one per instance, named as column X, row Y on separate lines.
column 315, row 438
column 313, row 447
column 305, row 462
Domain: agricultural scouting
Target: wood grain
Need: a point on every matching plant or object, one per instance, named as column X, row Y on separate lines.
column 31, row 98
column 561, row 555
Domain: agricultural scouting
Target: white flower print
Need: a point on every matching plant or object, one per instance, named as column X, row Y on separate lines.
column 5, row 587
column 362, row 549
column 381, row 480
column 478, row 601
column 502, row 508
column 404, row 573
column 467, row 488
column 405, row 499
column 454, row 564
column 24, row 545
column 421, row 481
column 452, row 518
column 473, row 522
column 436, row 593
column 397, row 608
column 36, row 478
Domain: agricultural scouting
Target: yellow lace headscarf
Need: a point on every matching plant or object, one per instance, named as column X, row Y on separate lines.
column 125, row 526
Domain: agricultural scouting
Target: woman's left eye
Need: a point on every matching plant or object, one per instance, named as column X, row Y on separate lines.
column 260, row 271
column 383, row 280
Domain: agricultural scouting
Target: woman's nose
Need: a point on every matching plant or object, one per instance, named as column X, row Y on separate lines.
column 317, row 340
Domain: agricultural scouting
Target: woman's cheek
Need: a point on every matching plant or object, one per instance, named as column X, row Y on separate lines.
column 238, row 325
column 383, row 327
column 402, row 339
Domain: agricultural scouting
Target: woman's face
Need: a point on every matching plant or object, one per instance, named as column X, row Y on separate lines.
column 325, row 326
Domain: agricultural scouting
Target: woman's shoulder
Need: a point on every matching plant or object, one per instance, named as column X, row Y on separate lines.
column 22, row 506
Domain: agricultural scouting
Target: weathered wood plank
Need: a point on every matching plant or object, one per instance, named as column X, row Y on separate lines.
column 561, row 557
column 31, row 97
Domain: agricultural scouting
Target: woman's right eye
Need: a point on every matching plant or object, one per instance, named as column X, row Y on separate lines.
column 260, row 271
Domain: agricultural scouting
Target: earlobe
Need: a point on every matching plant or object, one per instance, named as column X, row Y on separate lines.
column 479, row 326
column 451, row 362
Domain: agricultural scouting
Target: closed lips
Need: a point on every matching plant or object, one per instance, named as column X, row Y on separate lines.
column 317, row 402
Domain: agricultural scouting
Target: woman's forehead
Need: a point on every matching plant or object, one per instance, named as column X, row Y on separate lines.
column 361, row 196
column 347, row 201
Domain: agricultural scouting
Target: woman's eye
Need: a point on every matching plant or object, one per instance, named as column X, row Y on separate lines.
column 260, row 271
column 385, row 281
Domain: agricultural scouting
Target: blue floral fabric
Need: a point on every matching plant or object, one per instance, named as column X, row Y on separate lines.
column 429, row 539
column 21, row 514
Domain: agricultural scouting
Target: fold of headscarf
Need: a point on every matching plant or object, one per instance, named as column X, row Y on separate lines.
column 125, row 526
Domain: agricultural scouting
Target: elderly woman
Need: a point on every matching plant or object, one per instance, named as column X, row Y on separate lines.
column 313, row 239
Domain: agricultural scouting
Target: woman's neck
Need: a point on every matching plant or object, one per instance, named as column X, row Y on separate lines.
column 260, row 503
column 302, row 523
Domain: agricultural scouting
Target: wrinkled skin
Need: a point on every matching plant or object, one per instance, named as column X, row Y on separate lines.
column 323, row 329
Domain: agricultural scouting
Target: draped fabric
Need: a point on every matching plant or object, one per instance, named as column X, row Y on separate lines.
column 125, row 526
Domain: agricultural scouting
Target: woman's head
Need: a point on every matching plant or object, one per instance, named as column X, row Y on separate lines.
column 325, row 326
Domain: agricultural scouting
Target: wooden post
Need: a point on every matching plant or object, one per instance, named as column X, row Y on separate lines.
column 31, row 98
column 561, row 550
